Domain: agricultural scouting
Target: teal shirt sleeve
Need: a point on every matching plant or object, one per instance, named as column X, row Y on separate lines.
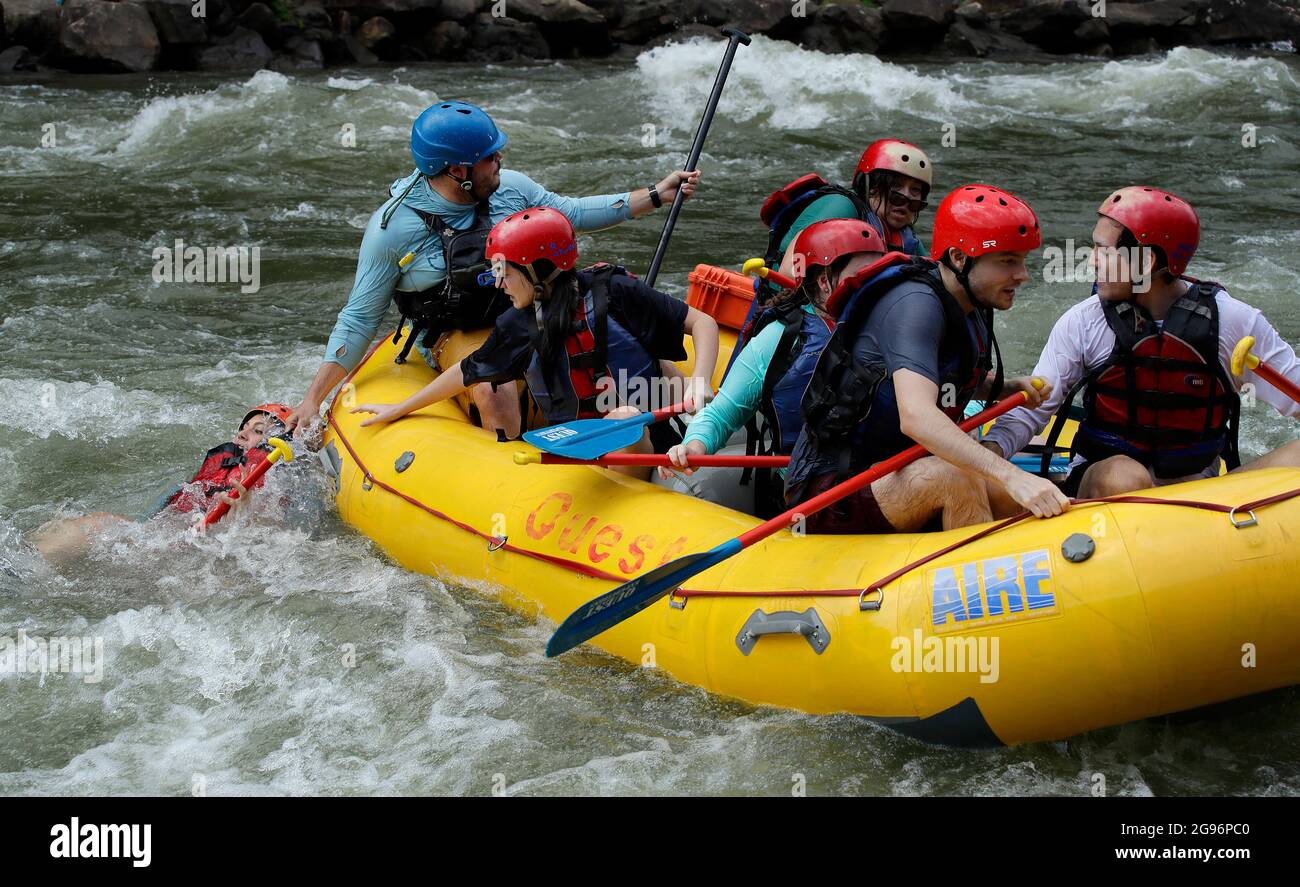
column 737, row 399
column 372, row 291
column 586, row 213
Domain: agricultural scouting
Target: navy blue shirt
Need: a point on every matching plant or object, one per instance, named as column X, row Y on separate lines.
column 904, row 331
column 656, row 319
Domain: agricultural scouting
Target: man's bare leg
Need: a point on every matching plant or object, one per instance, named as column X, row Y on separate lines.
column 911, row 497
column 1114, row 477
column 1285, row 456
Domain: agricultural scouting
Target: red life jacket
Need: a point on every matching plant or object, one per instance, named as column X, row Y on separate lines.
column 1163, row 397
column 221, row 467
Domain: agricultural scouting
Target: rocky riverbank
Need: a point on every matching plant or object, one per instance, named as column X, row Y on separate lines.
column 245, row 35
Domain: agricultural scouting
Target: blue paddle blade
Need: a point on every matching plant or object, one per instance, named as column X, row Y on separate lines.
column 589, row 438
column 631, row 598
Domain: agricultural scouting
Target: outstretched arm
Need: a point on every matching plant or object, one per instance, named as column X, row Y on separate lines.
column 448, row 384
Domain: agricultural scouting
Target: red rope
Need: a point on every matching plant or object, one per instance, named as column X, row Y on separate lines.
column 1002, row 525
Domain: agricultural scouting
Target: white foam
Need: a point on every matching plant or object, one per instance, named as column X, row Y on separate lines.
column 788, row 87
column 100, row 411
column 170, row 117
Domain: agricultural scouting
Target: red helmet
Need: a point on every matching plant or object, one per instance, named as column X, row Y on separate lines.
column 532, row 234
column 979, row 219
column 899, row 156
column 1157, row 218
column 278, row 410
column 823, row 243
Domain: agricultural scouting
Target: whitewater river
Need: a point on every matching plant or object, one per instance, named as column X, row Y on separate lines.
column 223, row 657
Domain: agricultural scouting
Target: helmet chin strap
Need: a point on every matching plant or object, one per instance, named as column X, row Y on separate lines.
column 963, row 276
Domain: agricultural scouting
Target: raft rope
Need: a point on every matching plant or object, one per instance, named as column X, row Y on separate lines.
column 879, row 584
column 497, row 543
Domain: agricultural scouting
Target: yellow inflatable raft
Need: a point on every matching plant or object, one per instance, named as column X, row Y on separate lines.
column 1040, row 630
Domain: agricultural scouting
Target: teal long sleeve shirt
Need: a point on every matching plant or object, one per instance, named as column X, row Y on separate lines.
column 379, row 277
column 737, row 399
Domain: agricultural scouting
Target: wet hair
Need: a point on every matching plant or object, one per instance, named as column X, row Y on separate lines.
column 1127, row 240
column 559, row 299
column 881, row 182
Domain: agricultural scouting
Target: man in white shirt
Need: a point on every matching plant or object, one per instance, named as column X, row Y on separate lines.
column 1152, row 351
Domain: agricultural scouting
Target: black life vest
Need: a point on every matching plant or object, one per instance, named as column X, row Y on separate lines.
column 598, row 351
column 1163, row 396
column 221, row 466
column 844, row 393
column 803, row 336
column 467, row 299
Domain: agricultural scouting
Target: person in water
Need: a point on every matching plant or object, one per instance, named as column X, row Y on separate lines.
column 424, row 248
column 913, row 345
column 769, row 376
column 581, row 340
column 218, row 478
column 1152, row 351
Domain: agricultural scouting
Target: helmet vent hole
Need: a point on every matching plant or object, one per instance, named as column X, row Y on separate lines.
column 922, row 162
column 1002, row 202
column 1170, row 199
column 1115, row 199
column 461, row 111
column 979, row 199
column 906, row 158
column 1024, row 230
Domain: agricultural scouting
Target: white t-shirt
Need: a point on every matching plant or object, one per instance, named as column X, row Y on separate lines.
column 1082, row 341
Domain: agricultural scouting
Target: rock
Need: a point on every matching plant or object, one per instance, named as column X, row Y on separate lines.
column 638, row 21
column 176, row 23
column 1152, row 15
column 313, row 15
column 461, row 10
column 378, row 35
column 31, row 23
column 3, row 35
column 927, row 17
column 17, row 58
column 446, row 40
column 1049, row 24
column 1094, row 30
column 504, row 39
column 101, row 36
column 841, row 27
column 303, row 54
column 966, row 39
column 240, row 50
column 972, row 14
column 364, row 9
column 259, row 17
column 550, row 12
column 1259, row 21
column 751, row 16
column 1136, row 46
column 1100, row 50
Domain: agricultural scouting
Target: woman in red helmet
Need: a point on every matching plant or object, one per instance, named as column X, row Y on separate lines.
column 913, row 346
column 587, row 343
column 1151, row 351
column 770, row 374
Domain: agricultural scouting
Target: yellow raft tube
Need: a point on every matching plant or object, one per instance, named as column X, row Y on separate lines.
column 1157, row 608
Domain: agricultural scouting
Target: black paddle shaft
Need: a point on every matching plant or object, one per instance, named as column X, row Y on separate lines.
column 734, row 38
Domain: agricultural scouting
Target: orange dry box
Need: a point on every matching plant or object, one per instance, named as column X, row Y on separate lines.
column 724, row 295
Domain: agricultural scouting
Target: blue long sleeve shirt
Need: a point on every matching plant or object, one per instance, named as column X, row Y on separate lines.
column 378, row 275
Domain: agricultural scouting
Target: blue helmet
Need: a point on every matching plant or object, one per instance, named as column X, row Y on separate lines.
column 453, row 134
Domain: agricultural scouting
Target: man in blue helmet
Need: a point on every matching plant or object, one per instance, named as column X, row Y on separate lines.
column 425, row 248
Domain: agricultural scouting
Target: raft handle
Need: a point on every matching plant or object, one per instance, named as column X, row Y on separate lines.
column 496, row 543
column 870, row 606
column 808, row 624
column 1249, row 522
column 367, row 483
